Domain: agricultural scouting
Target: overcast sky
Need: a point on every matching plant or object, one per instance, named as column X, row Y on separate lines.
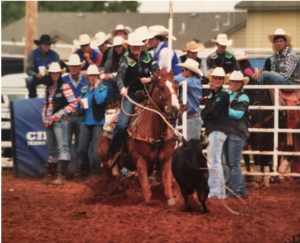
column 187, row 6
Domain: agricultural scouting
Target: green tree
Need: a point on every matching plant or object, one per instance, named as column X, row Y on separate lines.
column 13, row 10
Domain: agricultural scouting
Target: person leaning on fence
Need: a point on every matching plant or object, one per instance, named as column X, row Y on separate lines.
column 76, row 81
column 111, row 68
column 134, row 70
column 38, row 60
column 221, row 57
column 93, row 102
column 238, row 132
column 191, row 50
column 86, row 53
column 216, row 121
column 59, row 102
column 102, row 41
column 285, row 65
column 191, row 73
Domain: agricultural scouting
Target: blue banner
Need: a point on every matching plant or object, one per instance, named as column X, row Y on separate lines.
column 29, row 139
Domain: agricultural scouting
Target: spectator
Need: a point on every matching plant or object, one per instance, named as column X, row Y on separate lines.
column 191, row 73
column 192, row 49
column 157, row 35
column 244, row 63
column 86, row 53
column 285, row 66
column 134, row 64
column 216, row 121
column 38, row 60
column 93, row 101
column 221, row 57
column 59, row 102
column 121, row 30
column 102, row 41
column 238, row 132
column 76, row 81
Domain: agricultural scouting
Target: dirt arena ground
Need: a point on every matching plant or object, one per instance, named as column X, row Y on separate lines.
column 72, row 213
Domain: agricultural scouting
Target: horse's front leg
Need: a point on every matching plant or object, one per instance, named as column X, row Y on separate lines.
column 141, row 166
column 167, row 180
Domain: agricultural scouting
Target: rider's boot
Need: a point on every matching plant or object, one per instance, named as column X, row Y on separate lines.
column 266, row 177
column 49, row 173
column 61, row 179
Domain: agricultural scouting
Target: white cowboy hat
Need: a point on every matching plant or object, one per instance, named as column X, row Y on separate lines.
column 192, row 65
column 74, row 60
column 238, row 76
column 55, row 68
column 240, row 55
column 121, row 27
column 135, row 39
column 158, row 30
column 143, row 31
column 117, row 41
column 218, row 71
column 222, row 40
column 92, row 70
column 100, row 38
column 84, row 39
column 193, row 46
column 280, row 32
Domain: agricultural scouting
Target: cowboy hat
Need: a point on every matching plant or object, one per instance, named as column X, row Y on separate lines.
column 92, row 70
column 222, row 40
column 55, row 68
column 100, row 38
column 74, row 60
column 121, row 27
column 135, row 39
column 192, row 46
column 84, row 39
column 218, row 71
column 44, row 39
column 192, row 65
column 117, row 41
column 238, row 76
column 159, row 30
column 143, row 31
column 240, row 55
column 280, row 32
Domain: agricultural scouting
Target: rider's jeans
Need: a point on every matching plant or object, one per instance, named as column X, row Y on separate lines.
column 120, row 130
column 232, row 149
column 271, row 78
column 214, row 152
column 194, row 126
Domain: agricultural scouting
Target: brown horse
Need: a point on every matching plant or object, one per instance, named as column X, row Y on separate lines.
column 152, row 139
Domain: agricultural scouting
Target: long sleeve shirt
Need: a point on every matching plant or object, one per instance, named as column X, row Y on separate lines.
column 68, row 93
column 163, row 55
column 194, row 92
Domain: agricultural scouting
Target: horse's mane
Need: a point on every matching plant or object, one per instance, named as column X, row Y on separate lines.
column 164, row 73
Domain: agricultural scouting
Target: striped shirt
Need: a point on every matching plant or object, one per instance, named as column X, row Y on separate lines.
column 68, row 93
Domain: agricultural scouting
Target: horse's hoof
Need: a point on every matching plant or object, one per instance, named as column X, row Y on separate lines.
column 171, row 202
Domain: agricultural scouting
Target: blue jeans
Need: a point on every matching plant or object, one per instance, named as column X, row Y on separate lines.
column 89, row 134
column 120, row 131
column 74, row 125
column 233, row 147
column 57, row 141
column 271, row 78
column 194, row 126
column 214, row 152
column 32, row 82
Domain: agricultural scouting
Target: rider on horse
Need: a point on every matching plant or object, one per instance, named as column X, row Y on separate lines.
column 134, row 70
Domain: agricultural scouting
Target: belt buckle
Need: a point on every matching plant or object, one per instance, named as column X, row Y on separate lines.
column 75, row 113
column 139, row 93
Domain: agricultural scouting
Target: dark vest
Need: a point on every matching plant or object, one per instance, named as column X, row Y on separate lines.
column 38, row 59
column 176, row 69
column 228, row 65
column 93, row 58
column 136, row 70
column 98, row 110
column 59, row 101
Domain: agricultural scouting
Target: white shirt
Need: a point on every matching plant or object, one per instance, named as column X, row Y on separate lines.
column 163, row 56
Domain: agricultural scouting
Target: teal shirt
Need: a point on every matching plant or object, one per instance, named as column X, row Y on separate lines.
column 237, row 114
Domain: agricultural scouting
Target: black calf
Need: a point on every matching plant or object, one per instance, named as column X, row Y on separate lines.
column 186, row 163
